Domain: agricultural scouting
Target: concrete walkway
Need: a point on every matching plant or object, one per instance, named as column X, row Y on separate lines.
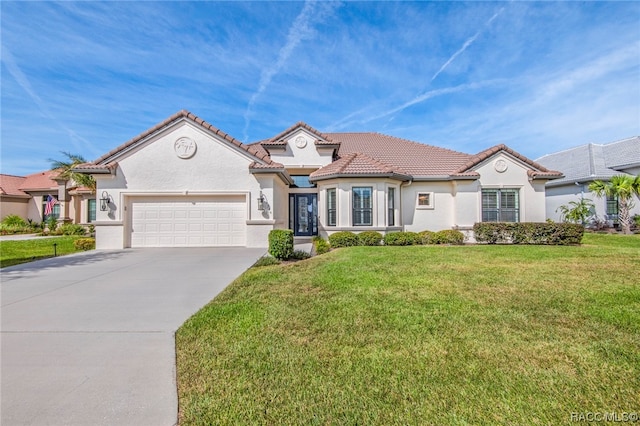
column 88, row 339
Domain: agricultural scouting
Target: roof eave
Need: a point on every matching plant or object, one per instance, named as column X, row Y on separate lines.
column 396, row 176
column 281, row 172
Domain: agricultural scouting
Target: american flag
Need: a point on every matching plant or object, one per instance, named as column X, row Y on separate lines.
column 48, row 209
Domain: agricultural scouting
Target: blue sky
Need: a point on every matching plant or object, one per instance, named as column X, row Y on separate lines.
column 85, row 77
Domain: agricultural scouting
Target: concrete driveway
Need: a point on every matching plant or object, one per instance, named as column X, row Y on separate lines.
column 88, row 339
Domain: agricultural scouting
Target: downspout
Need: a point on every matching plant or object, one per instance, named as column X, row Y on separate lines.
column 403, row 185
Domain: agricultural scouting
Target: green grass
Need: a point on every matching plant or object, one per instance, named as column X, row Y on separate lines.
column 14, row 252
column 420, row 335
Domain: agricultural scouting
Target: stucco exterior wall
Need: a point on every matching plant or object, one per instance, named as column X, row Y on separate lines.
column 14, row 206
column 514, row 175
column 557, row 196
column 437, row 217
column 302, row 152
column 154, row 169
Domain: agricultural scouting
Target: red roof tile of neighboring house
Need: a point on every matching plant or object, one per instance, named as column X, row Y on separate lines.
column 10, row 185
column 109, row 157
column 41, row 181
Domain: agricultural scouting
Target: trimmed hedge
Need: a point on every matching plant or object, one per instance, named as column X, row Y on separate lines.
column 428, row 237
column 449, row 236
column 343, row 239
column 405, row 238
column 281, row 243
column 528, row 233
column 369, row 238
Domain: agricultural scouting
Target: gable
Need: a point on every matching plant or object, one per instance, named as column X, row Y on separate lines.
column 300, row 148
column 183, row 156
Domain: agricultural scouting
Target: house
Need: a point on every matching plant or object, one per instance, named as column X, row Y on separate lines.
column 186, row 183
column 26, row 196
column 584, row 164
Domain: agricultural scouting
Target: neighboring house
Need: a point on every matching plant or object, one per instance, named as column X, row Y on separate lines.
column 584, row 164
column 187, row 183
column 26, row 196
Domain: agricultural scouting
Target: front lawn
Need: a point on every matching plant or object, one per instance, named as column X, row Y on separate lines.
column 420, row 335
column 13, row 252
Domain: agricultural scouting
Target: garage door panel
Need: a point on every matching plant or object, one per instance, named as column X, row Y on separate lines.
column 188, row 221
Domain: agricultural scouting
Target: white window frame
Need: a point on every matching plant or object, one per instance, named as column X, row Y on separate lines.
column 335, row 207
column 353, row 207
column 429, row 206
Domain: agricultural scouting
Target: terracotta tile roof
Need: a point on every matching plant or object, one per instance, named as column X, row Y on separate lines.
column 272, row 165
column 41, row 181
column 258, row 153
column 404, row 156
column 356, row 164
column 10, row 185
column 540, row 171
column 96, row 168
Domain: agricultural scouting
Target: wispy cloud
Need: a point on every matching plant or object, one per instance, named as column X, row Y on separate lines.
column 301, row 29
column 466, row 44
column 23, row 81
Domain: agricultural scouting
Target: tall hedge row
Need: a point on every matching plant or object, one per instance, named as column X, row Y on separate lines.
column 528, row 233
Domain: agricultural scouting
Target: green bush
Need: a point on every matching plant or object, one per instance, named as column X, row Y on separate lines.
column 343, row 239
column 266, row 261
column 52, row 224
column 369, row 238
column 427, row 237
column 528, row 233
column 299, row 255
column 14, row 220
column 320, row 245
column 405, row 238
column 449, row 236
column 281, row 243
column 71, row 229
column 85, row 243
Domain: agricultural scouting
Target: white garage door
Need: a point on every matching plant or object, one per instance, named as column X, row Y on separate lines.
column 188, row 221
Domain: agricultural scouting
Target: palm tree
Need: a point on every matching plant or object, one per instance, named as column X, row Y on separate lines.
column 576, row 211
column 624, row 188
column 66, row 170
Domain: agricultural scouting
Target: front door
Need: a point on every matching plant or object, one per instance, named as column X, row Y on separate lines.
column 303, row 214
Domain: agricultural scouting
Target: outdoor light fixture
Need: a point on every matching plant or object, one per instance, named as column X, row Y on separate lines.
column 104, row 201
column 261, row 202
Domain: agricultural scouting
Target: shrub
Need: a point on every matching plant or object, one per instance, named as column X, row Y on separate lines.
column 85, row 243
column 281, row 243
column 343, row 239
column 404, row 238
column 299, row 255
column 449, row 236
column 14, row 220
column 72, row 229
column 369, row 238
column 320, row 245
column 52, row 224
column 528, row 233
column 427, row 237
column 266, row 261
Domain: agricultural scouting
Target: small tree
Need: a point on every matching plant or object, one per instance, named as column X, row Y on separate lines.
column 66, row 170
column 576, row 211
column 624, row 188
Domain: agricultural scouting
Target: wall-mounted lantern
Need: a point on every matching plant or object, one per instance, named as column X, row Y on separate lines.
column 261, row 202
column 104, row 201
